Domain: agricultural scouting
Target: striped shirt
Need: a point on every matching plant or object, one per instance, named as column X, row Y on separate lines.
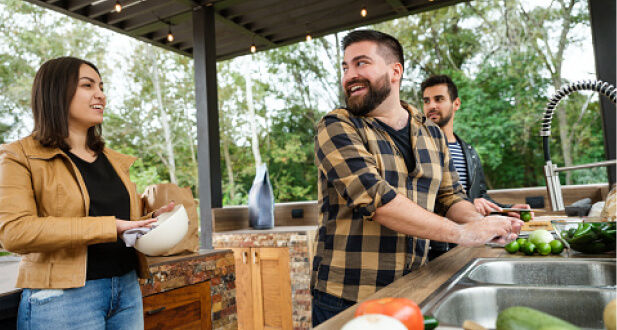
column 359, row 170
column 459, row 163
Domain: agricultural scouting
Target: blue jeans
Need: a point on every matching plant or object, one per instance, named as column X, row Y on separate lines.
column 108, row 303
column 326, row 306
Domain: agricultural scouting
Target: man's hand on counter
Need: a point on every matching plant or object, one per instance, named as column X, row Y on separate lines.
column 496, row 229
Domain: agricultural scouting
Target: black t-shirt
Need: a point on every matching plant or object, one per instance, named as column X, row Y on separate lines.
column 402, row 140
column 108, row 197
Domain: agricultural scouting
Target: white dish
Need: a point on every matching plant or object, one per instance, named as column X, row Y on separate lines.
column 171, row 229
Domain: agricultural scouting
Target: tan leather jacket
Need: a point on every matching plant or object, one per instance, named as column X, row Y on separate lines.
column 43, row 208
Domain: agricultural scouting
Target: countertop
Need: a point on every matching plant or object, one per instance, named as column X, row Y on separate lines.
column 276, row 229
column 9, row 266
column 417, row 286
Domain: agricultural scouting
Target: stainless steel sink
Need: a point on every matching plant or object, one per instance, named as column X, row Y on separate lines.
column 575, row 290
column 553, row 272
column 580, row 306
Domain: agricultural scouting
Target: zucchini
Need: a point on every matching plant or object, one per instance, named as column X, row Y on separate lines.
column 430, row 322
column 524, row 318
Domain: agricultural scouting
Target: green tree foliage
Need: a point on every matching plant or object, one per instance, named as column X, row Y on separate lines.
column 505, row 56
column 30, row 36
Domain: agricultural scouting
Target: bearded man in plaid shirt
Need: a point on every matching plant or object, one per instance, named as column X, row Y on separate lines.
column 386, row 181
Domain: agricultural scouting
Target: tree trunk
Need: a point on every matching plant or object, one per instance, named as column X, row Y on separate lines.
column 337, row 68
column 230, row 170
column 252, row 121
column 564, row 131
column 169, row 148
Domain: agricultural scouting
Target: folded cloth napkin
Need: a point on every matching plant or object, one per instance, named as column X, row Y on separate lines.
column 130, row 236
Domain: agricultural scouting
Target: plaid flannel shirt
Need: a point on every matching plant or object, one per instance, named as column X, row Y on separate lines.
column 361, row 169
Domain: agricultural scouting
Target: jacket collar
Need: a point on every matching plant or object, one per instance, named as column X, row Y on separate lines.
column 34, row 149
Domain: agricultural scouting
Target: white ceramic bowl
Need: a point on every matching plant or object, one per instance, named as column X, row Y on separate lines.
column 171, row 229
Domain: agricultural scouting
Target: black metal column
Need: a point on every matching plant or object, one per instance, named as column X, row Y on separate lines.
column 208, row 150
column 602, row 15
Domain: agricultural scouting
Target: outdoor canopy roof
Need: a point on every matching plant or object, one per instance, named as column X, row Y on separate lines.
column 238, row 23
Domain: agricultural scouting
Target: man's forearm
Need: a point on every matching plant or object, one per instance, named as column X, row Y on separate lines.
column 463, row 212
column 405, row 216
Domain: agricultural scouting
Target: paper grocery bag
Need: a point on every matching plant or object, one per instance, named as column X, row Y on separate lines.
column 261, row 200
column 159, row 195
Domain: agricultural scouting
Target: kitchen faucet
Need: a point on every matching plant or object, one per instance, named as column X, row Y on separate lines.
column 551, row 171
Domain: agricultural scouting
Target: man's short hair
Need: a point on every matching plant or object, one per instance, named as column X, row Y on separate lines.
column 438, row 80
column 388, row 47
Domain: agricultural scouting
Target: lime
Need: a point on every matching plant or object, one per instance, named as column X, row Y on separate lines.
column 512, row 247
column 556, row 246
column 521, row 241
column 525, row 216
column 528, row 248
column 544, row 249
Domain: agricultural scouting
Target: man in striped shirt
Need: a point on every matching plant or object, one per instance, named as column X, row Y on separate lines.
column 441, row 101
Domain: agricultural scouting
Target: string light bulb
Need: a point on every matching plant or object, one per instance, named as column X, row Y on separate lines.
column 253, row 48
column 118, row 6
column 363, row 12
column 309, row 37
column 170, row 36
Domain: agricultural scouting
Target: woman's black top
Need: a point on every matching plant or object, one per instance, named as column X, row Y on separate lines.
column 108, row 197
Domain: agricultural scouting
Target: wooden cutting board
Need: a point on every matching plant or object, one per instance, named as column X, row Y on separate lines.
column 544, row 222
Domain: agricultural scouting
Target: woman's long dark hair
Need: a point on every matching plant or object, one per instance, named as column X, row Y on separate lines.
column 52, row 91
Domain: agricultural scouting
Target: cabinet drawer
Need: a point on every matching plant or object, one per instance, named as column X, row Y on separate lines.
column 183, row 308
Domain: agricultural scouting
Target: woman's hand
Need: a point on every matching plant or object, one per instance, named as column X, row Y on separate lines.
column 124, row 225
column 166, row 208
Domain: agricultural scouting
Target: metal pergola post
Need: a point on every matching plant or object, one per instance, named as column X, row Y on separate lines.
column 206, row 103
column 602, row 17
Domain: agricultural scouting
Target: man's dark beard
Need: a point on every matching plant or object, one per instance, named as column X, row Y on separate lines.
column 361, row 105
column 444, row 120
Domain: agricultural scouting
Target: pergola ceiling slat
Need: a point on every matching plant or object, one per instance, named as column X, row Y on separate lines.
column 267, row 23
column 398, row 6
column 243, row 30
column 136, row 10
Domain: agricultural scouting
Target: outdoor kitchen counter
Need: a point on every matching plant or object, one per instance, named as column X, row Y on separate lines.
column 417, row 286
column 168, row 273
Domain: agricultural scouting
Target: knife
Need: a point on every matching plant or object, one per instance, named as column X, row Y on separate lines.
column 510, row 209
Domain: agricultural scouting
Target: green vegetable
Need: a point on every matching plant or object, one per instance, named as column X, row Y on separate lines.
column 521, row 241
column 528, row 248
column 544, row 249
column 512, row 247
column 525, row 216
column 556, row 246
column 524, row 318
column 609, row 235
column 430, row 322
column 582, row 230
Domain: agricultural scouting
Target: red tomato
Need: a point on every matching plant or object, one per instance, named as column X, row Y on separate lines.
column 401, row 309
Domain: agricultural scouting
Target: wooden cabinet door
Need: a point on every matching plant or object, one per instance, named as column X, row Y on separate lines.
column 244, row 291
column 184, row 308
column 271, row 288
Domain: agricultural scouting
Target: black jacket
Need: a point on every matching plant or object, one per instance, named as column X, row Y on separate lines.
column 476, row 184
column 475, row 174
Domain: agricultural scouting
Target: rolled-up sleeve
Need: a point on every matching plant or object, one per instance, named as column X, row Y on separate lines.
column 349, row 167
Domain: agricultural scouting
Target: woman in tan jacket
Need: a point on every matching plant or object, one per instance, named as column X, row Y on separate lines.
column 65, row 200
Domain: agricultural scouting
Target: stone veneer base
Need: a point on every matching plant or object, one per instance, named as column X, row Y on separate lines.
column 218, row 267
